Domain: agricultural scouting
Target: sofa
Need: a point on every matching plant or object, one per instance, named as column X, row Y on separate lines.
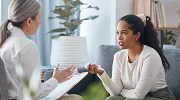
column 3, row 82
column 105, row 59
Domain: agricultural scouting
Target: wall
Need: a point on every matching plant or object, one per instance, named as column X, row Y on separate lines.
column 172, row 19
column 102, row 31
column 4, row 11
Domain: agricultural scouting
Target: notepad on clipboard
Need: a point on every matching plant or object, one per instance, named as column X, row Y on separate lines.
column 64, row 87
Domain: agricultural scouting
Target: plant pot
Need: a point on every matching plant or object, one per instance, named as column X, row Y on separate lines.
column 67, row 50
column 169, row 46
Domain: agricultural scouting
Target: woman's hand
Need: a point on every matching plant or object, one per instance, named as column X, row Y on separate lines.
column 63, row 75
column 93, row 69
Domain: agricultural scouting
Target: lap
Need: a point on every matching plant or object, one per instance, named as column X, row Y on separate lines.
column 162, row 94
column 115, row 98
column 122, row 98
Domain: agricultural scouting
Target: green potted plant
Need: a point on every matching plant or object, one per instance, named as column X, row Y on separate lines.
column 67, row 49
column 65, row 12
column 169, row 40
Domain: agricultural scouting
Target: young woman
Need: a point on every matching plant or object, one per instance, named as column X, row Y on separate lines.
column 139, row 68
column 24, row 16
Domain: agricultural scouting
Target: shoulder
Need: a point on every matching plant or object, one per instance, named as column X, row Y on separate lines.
column 150, row 52
column 120, row 54
column 19, row 43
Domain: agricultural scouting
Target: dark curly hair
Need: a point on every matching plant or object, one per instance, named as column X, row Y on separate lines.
column 149, row 35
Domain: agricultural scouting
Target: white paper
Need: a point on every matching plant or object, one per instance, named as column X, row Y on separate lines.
column 64, row 87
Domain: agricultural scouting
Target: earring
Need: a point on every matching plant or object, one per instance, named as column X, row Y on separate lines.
column 136, row 39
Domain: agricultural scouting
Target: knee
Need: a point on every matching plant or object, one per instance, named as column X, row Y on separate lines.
column 112, row 98
column 77, row 97
column 71, row 97
column 109, row 98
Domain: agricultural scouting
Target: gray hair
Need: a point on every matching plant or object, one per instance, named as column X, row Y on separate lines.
column 18, row 12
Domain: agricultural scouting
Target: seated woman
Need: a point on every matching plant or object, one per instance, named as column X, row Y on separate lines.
column 24, row 16
column 139, row 68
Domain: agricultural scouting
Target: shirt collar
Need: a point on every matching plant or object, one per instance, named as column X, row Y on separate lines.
column 17, row 31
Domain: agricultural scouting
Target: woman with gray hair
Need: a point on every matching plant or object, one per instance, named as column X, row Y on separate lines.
column 24, row 16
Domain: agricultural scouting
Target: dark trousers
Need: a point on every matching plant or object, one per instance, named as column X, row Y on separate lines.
column 162, row 94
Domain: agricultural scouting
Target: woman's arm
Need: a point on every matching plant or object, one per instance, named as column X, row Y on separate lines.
column 29, row 57
column 150, row 71
column 113, row 86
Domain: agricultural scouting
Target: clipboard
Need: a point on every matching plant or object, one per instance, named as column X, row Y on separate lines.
column 64, row 87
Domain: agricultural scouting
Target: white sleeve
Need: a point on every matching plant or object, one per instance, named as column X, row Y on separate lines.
column 114, row 85
column 29, row 57
column 150, row 71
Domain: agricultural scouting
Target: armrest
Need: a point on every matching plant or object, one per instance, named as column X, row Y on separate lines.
column 48, row 75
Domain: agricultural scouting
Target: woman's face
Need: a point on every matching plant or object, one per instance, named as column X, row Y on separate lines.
column 35, row 24
column 126, row 38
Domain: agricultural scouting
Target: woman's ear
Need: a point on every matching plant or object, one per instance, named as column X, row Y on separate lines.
column 138, row 35
column 28, row 22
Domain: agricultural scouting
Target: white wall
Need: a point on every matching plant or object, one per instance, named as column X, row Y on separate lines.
column 101, row 31
column 172, row 19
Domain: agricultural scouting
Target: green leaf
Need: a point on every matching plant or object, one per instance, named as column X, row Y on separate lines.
column 72, row 26
column 61, row 12
column 66, row 12
column 56, row 36
column 65, row 1
column 96, row 7
column 173, row 34
column 61, row 17
column 57, row 30
column 73, row 20
column 72, row 11
column 77, row 22
column 51, row 17
column 91, row 17
column 57, row 7
column 69, row 4
column 75, row 3
column 65, row 24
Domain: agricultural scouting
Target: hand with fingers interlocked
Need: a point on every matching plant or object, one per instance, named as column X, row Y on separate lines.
column 93, row 69
column 63, row 75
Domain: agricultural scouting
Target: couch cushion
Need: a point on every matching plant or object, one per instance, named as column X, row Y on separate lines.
column 105, row 57
column 173, row 75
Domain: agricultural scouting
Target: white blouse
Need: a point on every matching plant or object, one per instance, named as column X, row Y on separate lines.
column 135, row 80
column 19, row 46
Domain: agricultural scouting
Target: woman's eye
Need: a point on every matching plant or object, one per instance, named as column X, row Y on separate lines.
column 124, row 33
column 117, row 33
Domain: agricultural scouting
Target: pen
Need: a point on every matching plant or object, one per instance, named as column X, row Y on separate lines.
column 61, row 68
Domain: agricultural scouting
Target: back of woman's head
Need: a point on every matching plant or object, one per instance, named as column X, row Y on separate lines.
column 149, row 35
column 18, row 12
